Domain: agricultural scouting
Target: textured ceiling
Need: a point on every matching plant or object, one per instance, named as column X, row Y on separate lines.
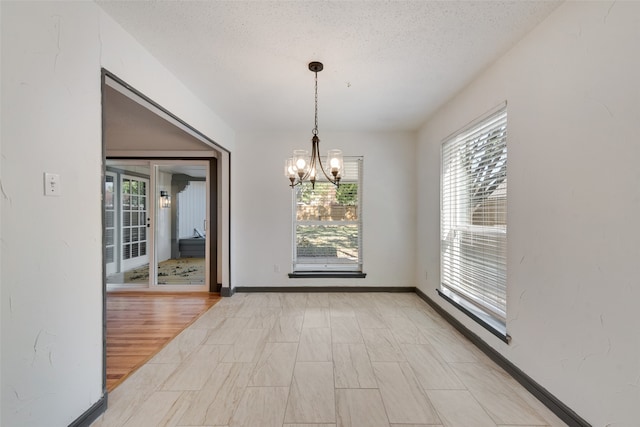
column 388, row 65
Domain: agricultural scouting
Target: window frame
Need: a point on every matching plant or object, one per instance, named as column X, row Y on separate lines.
column 329, row 269
column 457, row 221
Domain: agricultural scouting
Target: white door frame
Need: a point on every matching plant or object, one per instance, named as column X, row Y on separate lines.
column 153, row 206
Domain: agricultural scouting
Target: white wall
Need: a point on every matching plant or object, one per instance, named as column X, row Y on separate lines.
column 574, row 204
column 51, row 267
column 261, row 204
column 192, row 209
column 51, row 258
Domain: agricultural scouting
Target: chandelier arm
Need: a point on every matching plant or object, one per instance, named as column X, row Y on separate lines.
column 311, row 165
column 331, row 180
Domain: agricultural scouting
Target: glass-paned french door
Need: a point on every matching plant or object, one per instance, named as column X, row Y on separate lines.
column 110, row 197
column 156, row 224
column 134, row 243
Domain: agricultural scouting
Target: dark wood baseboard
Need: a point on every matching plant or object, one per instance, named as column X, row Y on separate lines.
column 327, row 275
column 91, row 414
column 324, row 289
column 563, row 412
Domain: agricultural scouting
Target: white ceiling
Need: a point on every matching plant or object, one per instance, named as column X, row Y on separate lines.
column 388, row 64
column 130, row 125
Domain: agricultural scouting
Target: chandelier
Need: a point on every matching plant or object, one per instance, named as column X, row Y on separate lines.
column 302, row 166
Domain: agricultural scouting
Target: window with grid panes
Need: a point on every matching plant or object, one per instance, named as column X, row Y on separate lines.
column 474, row 219
column 327, row 225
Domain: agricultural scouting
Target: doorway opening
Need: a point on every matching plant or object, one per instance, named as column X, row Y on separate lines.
column 158, row 230
column 166, row 217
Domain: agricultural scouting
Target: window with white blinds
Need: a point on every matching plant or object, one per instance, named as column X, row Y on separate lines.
column 327, row 226
column 474, row 216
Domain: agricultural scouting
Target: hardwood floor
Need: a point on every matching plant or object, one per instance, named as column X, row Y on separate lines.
column 139, row 324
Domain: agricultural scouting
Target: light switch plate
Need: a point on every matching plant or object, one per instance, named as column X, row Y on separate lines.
column 52, row 184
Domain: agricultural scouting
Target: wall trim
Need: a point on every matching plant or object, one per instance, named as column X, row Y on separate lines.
column 327, row 274
column 324, row 289
column 486, row 322
column 563, row 412
column 227, row 292
column 91, row 414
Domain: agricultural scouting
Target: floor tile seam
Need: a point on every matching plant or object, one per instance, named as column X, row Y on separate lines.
column 426, row 390
column 231, row 385
column 523, row 425
column 473, row 394
column 293, row 373
column 267, row 386
column 416, row 381
column 443, row 361
column 504, row 383
column 384, row 407
column 356, row 388
column 375, row 377
column 333, row 346
column 442, row 356
column 486, row 411
column 335, row 394
column 512, row 384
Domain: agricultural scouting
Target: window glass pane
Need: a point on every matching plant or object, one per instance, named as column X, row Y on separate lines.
column 126, row 251
column 339, row 242
column 327, row 203
column 108, row 236
column 109, row 254
column 109, row 188
column 134, row 218
column 126, row 235
column 108, row 218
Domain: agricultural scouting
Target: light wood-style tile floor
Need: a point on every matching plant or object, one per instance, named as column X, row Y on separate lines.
column 322, row 360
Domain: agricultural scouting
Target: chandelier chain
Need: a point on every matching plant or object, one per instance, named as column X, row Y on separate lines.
column 315, row 128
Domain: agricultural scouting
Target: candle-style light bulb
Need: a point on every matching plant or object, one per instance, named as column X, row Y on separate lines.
column 335, row 162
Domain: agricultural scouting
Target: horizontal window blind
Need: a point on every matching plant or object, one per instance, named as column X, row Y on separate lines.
column 328, row 223
column 474, row 214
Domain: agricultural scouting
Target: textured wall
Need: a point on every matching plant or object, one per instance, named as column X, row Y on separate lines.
column 51, row 267
column 573, row 208
column 262, row 207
